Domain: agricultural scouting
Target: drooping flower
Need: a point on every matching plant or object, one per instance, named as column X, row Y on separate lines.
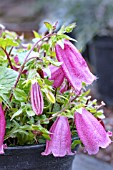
column 36, row 99
column 64, row 87
column 17, row 67
column 2, row 129
column 60, row 143
column 74, row 66
column 57, row 75
column 91, row 132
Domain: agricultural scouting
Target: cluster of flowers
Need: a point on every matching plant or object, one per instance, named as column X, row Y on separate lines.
column 90, row 131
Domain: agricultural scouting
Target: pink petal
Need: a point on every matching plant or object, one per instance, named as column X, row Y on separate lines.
column 74, row 66
column 91, row 132
column 2, row 129
column 60, row 143
column 57, row 75
column 16, row 59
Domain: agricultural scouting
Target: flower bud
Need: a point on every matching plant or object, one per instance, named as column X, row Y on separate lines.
column 36, row 99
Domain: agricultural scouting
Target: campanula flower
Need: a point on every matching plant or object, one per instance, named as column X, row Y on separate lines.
column 91, row 132
column 2, row 129
column 74, row 66
column 60, row 143
column 57, row 75
column 36, row 99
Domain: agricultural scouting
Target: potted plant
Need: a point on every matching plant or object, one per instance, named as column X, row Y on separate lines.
column 45, row 107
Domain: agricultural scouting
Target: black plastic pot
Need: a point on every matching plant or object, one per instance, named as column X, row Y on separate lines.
column 101, row 57
column 29, row 158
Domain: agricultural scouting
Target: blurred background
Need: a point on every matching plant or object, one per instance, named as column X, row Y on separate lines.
column 94, row 35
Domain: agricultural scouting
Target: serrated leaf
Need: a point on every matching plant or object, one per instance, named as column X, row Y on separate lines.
column 20, row 95
column 7, row 79
column 7, row 42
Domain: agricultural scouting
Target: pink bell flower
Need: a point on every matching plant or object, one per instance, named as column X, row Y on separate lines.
column 2, row 129
column 36, row 99
column 65, row 87
column 74, row 66
column 17, row 67
column 91, row 132
column 57, row 75
column 60, row 143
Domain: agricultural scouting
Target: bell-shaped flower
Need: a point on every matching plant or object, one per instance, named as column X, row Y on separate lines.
column 36, row 99
column 2, row 129
column 74, row 66
column 91, row 132
column 17, row 67
column 65, row 87
column 60, row 138
column 56, row 74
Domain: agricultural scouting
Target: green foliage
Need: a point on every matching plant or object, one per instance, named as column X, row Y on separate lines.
column 7, row 42
column 7, row 79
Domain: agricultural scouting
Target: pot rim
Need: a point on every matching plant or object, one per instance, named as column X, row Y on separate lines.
column 31, row 146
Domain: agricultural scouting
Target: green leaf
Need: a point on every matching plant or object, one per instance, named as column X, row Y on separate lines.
column 7, row 79
column 48, row 26
column 75, row 143
column 70, row 27
column 20, row 95
column 30, row 113
column 17, row 113
column 99, row 114
column 36, row 34
column 50, row 97
column 7, row 42
column 5, row 99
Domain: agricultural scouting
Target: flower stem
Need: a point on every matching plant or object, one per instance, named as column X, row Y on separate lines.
column 25, row 61
column 22, row 67
column 8, row 57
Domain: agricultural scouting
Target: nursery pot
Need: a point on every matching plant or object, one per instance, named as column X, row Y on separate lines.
column 101, row 57
column 30, row 158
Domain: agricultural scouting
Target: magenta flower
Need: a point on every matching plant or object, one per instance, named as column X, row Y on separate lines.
column 57, row 75
column 17, row 67
column 74, row 66
column 60, row 142
column 66, row 86
column 2, row 129
column 16, row 59
column 91, row 132
column 36, row 99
